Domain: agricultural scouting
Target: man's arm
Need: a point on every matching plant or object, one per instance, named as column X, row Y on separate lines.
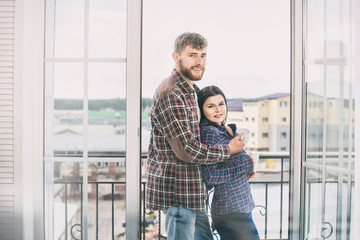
column 174, row 119
column 237, row 165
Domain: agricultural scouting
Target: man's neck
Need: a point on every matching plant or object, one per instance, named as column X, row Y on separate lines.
column 190, row 82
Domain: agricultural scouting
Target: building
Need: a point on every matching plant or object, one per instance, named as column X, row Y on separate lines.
column 267, row 118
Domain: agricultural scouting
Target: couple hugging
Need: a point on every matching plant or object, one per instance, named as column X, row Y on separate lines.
column 192, row 149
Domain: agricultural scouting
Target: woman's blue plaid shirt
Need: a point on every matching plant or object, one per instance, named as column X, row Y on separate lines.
column 230, row 178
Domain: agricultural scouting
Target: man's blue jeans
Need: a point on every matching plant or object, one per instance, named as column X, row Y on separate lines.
column 185, row 224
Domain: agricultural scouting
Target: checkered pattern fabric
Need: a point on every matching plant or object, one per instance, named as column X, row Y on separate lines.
column 230, row 178
column 175, row 156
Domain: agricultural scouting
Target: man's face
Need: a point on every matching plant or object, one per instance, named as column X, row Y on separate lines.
column 191, row 63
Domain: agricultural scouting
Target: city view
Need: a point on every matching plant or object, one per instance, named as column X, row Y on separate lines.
column 106, row 138
column 266, row 117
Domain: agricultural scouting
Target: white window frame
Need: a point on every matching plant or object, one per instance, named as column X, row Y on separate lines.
column 133, row 120
column 356, row 211
column 297, row 120
column 28, row 66
column 29, row 58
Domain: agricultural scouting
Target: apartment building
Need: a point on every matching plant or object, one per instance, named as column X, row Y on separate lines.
column 266, row 117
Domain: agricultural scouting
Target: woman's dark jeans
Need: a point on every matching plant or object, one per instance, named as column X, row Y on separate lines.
column 236, row 226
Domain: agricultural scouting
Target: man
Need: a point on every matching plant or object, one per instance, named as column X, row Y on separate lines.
column 174, row 175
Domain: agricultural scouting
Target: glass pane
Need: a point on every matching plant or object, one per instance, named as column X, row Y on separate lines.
column 338, row 206
column 349, row 112
column 68, row 205
column 107, row 28
column 352, row 206
column 68, row 109
column 69, row 28
column 331, row 207
column 330, row 113
column 315, row 108
column 254, row 78
column 313, row 204
column 334, row 108
column 64, row 109
column 106, row 206
column 334, row 42
column 107, row 106
column 259, row 192
column 315, row 37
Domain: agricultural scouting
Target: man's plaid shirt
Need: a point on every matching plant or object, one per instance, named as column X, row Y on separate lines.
column 230, row 179
column 174, row 174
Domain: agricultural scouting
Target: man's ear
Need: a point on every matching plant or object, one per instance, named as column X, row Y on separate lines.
column 175, row 57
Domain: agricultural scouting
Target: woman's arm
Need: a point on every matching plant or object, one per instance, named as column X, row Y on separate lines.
column 237, row 165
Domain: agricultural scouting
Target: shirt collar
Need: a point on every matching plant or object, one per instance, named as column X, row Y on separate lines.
column 206, row 122
column 183, row 84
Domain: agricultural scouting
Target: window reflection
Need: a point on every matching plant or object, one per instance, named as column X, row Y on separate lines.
column 329, row 125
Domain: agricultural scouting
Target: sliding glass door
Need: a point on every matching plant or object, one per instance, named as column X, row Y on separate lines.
column 328, row 166
column 248, row 57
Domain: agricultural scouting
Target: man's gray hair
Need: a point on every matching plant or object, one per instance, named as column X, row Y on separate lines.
column 193, row 40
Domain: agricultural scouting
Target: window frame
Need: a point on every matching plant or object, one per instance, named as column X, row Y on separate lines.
column 133, row 126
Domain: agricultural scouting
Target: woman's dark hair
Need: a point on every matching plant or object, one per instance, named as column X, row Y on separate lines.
column 207, row 92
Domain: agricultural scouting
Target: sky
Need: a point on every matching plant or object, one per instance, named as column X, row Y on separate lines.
column 249, row 43
column 248, row 52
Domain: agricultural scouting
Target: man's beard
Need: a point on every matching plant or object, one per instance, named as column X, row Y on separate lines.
column 186, row 72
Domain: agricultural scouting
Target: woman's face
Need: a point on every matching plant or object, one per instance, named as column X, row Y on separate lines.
column 215, row 109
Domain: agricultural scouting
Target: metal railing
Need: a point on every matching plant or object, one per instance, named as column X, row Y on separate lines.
column 73, row 225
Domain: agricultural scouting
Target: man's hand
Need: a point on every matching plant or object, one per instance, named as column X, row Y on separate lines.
column 237, row 144
column 252, row 175
column 251, row 156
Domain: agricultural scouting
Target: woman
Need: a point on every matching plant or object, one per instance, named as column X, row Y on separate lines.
column 232, row 201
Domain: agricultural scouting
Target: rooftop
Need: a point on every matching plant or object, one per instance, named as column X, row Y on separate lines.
column 237, row 104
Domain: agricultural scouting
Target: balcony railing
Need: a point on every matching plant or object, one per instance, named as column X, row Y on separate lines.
column 270, row 190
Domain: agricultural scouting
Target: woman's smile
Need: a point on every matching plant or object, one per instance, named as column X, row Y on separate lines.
column 214, row 109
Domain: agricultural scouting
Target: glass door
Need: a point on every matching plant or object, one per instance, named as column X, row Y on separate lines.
column 248, row 57
column 85, row 119
column 328, row 165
